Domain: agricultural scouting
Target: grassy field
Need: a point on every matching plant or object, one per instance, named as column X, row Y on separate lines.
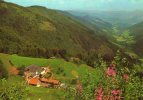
column 69, row 72
column 36, row 93
column 69, row 69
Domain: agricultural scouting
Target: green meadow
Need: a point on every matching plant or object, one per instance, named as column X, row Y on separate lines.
column 62, row 70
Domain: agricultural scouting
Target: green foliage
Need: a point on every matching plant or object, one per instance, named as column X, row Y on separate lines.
column 88, row 83
column 134, row 89
column 74, row 81
column 115, row 31
column 60, row 70
column 3, row 71
column 12, row 91
column 21, row 70
column 125, row 39
column 125, row 81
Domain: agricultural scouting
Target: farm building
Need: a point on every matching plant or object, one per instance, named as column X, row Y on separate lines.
column 40, row 76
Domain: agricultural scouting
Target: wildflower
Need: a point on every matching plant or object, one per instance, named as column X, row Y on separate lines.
column 111, row 71
column 116, row 95
column 126, row 77
column 116, row 92
column 79, row 87
column 99, row 97
column 99, row 93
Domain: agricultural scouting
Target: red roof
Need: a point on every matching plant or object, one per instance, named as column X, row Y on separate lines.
column 51, row 81
column 34, row 81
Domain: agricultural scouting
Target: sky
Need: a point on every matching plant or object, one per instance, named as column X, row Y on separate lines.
column 84, row 4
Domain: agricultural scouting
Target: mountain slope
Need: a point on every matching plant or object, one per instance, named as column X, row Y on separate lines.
column 38, row 31
column 92, row 21
column 137, row 31
column 95, row 23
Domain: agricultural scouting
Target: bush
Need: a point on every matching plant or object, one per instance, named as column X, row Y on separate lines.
column 21, row 70
column 73, row 81
column 12, row 91
column 116, row 82
column 3, row 71
column 60, row 70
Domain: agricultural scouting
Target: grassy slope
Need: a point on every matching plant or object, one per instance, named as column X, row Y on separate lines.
column 36, row 93
column 99, row 26
column 71, row 71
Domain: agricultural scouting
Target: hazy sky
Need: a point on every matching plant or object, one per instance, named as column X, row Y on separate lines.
column 84, row 4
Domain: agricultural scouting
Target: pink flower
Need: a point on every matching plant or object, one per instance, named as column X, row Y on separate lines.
column 112, row 98
column 116, row 92
column 100, row 91
column 79, row 87
column 106, row 97
column 99, row 94
column 99, row 97
column 126, row 77
column 110, row 71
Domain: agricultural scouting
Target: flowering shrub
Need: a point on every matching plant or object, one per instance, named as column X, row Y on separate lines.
column 113, row 82
column 99, row 94
column 116, row 83
column 111, row 71
column 126, row 77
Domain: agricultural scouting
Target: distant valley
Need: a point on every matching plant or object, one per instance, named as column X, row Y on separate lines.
column 120, row 19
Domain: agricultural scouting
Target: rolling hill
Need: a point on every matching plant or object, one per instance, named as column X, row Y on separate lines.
column 137, row 31
column 38, row 31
